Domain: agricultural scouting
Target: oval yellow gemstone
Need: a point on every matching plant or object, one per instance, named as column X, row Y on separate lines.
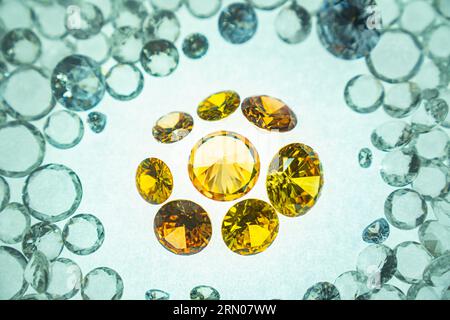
column 269, row 113
column 224, row 166
column 154, row 181
column 250, row 227
column 183, row 227
column 173, row 127
column 218, row 106
column 294, row 180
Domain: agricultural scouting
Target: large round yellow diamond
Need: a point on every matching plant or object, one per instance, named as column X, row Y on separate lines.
column 224, row 166
column 294, row 180
column 218, row 106
column 250, row 227
column 183, row 227
column 154, row 181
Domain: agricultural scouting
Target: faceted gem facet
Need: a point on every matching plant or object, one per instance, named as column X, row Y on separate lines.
column 250, row 227
column 224, row 166
column 218, row 106
column 405, row 209
column 238, row 23
column 161, row 24
column 364, row 93
column 126, row 44
column 266, row 4
column 85, row 21
column 392, row 135
column 83, row 234
column 154, row 181
column 435, row 238
column 156, row 294
column 365, row 157
column 96, row 121
column 77, row 83
column 159, row 58
column 412, row 259
column 67, row 272
column 294, row 180
column 400, row 167
column 52, row 192
column 293, row 23
column 173, row 127
column 376, row 232
column 269, row 113
column 378, row 263
column 351, row 284
column 102, row 284
column 349, row 29
column 43, row 237
column 385, row 292
column 34, row 100
column 20, row 46
column 37, row 272
column 195, row 45
column 203, row 9
column 322, row 291
column 204, row 293
column 14, row 219
column 12, row 264
column 437, row 272
column 423, row 291
column 183, row 227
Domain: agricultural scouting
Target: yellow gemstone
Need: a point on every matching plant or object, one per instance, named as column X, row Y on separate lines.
column 154, row 181
column 173, row 127
column 269, row 113
column 224, row 166
column 218, row 106
column 294, row 180
column 183, row 227
column 250, row 227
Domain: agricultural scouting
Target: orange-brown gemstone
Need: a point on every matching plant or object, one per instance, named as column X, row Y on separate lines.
column 183, row 227
column 269, row 113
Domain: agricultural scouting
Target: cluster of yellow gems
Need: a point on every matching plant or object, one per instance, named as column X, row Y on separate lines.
column 225, row 166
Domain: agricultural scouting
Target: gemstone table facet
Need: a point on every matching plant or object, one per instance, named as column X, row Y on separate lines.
column 224, row 166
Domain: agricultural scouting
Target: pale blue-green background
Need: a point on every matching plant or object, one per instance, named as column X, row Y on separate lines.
column 317, row 247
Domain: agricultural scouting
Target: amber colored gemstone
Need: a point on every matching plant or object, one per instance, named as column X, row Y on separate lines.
column 224, row 166
column 183, row 227
column 154, row 181
column 218, row 106
column 250, row 227
column 173, row 127
column 294, row 180
column 269, row 113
